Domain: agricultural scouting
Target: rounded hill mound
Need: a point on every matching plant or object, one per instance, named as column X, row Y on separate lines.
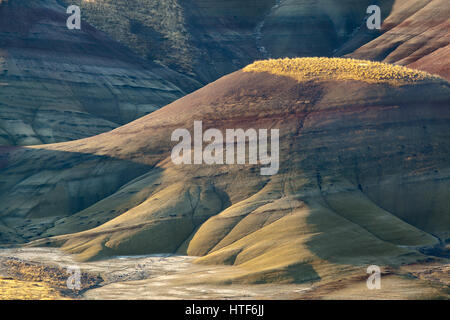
column 363, row 177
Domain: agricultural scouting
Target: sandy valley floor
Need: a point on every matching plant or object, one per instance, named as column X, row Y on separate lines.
column 35, row 273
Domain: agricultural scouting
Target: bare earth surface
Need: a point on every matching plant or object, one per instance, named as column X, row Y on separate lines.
column 363, row 180
column 38, row 273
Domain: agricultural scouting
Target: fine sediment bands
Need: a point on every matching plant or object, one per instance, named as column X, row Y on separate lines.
column 211, row 38
column 414, row 34
column 363, row 179
column 133, row 57
column 58, row 84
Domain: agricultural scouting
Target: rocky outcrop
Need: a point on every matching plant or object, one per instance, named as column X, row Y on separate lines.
column 58, row 84
column 363, row 176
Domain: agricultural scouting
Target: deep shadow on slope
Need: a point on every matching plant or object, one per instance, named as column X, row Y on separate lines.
column 60, row 85
column 39, row 187
column 210, row 38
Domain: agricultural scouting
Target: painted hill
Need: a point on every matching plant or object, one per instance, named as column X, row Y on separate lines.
column 363, row 176
column 414, row 34
column 58, row 84
column 210, row 38
column 130, row 58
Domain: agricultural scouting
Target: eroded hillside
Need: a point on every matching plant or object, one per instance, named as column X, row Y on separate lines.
column 363, row 178
column 58, row 84
column 211, row 38
column 132, row 57
column 415, row 34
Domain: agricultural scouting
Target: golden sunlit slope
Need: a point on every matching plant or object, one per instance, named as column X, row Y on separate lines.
column 326, row 69
column 364, row 178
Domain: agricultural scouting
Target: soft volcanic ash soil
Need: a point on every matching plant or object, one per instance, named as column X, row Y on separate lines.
column 36, row 273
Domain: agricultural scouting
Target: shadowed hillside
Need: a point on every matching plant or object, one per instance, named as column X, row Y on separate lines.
column 58, row 84
column 363, row 178
column 211, row 38
column 133, row 57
